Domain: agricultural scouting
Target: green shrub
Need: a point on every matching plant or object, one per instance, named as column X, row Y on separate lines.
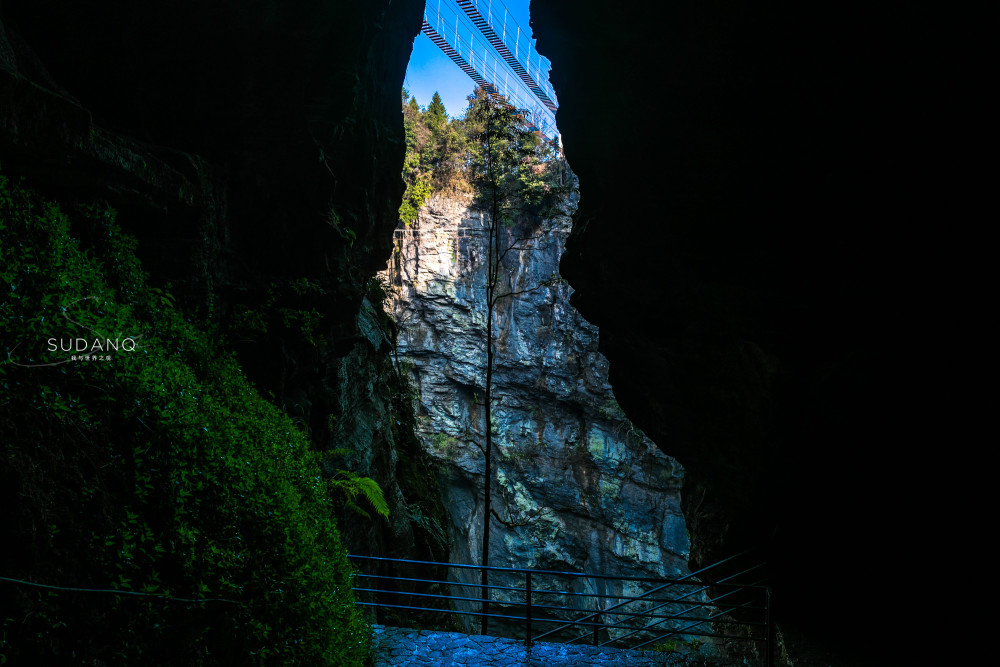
column 159, row 470
column 668, row 646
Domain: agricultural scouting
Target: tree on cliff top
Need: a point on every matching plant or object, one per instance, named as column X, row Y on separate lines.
column 508, row 168
column 436, row 155
column 437, row 115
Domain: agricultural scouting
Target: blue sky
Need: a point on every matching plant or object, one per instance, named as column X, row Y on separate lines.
column 431, row 70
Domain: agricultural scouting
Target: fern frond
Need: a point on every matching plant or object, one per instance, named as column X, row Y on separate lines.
column 352, row 484
column 373, row 492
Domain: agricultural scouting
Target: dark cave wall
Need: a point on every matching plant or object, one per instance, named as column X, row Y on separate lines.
column 254, row 149
column 295, row 105
column 745, row 172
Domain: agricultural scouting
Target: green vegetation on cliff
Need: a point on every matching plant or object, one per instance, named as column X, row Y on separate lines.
column 436, row 148
column 151, row 474
column 444, row 155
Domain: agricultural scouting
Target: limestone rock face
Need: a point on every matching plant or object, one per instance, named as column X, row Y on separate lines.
column 580, row 488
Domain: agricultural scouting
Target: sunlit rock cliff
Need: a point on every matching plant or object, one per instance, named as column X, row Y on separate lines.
column 577, row 486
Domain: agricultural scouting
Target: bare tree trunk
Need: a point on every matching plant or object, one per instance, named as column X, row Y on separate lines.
column 492, row 272
column 488, row 472
column 488, row 454
column 503, row 160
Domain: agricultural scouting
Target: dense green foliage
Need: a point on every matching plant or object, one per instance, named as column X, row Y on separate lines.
column 435, row 155
column 157, row 471
column 511, row 168
column 445, row 155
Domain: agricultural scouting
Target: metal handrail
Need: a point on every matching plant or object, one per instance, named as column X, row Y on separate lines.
column 515, row 603
column 693, row 604
column 524, row 570
column 700, row 622
column 644, row 614
column 681, row 630
column 539, row 591
column 440, row 581
column 650, row 592
column 537, row 620
column 439, row 597
column 594, row 620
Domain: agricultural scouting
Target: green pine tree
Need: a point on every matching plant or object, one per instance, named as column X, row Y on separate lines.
column 437, row 116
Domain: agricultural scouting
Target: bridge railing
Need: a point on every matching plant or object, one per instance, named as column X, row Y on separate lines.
column 488, row 45
column 727, row 614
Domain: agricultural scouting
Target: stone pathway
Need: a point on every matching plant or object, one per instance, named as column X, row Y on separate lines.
column 403, row 647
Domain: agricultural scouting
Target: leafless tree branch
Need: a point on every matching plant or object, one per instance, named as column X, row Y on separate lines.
column 529, row 290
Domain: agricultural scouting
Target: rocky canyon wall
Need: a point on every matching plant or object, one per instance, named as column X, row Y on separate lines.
column 580, row 488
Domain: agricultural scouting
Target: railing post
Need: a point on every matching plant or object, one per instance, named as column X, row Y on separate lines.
column 597, row 628
column 527, row 609
column 484, row 620
column 769, row 625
